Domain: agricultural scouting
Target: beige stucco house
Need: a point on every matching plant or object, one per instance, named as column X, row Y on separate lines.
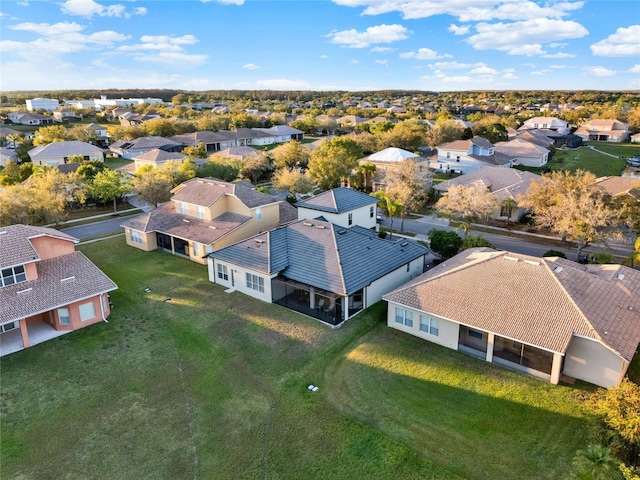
column 342, row 206
column 603, row 130
column 547, row 317
column 204, row 215
column 47, row 289
column 58, row 153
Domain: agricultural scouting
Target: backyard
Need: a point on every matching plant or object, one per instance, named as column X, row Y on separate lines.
column 592, row 160
column 187, row 381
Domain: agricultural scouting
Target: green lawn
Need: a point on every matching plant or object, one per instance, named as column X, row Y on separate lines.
column 586, row 159
column 187, row 381
column 116, row 162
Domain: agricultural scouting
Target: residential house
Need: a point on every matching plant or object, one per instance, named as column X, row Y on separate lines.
column 134, row 119
column 202, row 216
column 212, row 141
column 350, row 121
column 132, row 148
column 58, row 153
column 49, row 104
column 317, row 268
column 390, row 159
column 283, row 133
column 7, row 155
column 156, row 158
column 66, row 115
column 5, row 132
column 635, row 138
column 524, row 152
column 237, row 153
column 603, row 130
column 546, row 123
column 617, row 186
column 547, row 317
column 464, row 156
column 24, row 118
column 504, row 183
column 342, row 206
column 47, row 289
column 98, row 130
column 533, row 136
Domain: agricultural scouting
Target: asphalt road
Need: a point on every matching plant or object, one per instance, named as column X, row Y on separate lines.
column 423, row 225
column 97, row 228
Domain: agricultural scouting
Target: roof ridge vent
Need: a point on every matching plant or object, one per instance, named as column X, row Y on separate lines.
column 307, row 224
column 620, row 276
column 25, row 290
column 66, row 279
column 259, row 240
column 404, row 244
column 532, row 262
column 513, row 259
column 320, row 226
column 3, row 232
column 558, row 269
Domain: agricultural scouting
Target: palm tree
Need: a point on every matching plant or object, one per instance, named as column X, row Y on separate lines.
column 15, row 139
column 509, row 204
column 366, row 170
column 390, row 206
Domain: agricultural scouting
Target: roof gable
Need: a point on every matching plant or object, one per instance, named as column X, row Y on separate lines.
column 338, row 200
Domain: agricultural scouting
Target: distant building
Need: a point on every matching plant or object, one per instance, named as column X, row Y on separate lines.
column 48, row 104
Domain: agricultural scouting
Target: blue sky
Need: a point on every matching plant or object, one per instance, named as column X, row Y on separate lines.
column 320, row 45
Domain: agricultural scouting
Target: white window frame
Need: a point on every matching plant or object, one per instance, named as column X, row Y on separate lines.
column 255, row 282
column 404, row 317
column 12, row 275
column 200, row 211
column 258, row 213
column 87, row 311
column 183, row 208
column 350, row 219
column 63, row 313
column 136, row 236
column 222, row 271
column 371, row 211
column 196, row 249
column 430, row 325
column 9, row 326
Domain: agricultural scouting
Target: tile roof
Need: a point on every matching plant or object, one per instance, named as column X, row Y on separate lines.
column 207, row 191
column 236, row 152
column 203, row 136
column 391, row 154
column 521, row 148
column 15, row 247
column 503, row 182
column 618, row 185
column 61, row 280
column 338, row 200
column 323, row 255
column 537, row 301
column 142, row 143
column 157, row 155
column 165, row 219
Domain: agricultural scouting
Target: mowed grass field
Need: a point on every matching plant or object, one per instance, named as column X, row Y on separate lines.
column 594, row 161
column 187, row 381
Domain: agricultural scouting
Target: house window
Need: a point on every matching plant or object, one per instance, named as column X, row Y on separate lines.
column 87, row 311
column 505, row 211
column 429, row 325
column 258, row 213
column 136, row 237
column 448, row 154
column 457, row 158
column 12, row 275
column 196, row 249
column 404, row 317
column 9, row 326
column 371, row 212
column 223, row 273
column 200, row 211
column 408, row 266
column 183, row 208
column 351, row 219
column 255, row 282
column 475, row 333
column 63, row 316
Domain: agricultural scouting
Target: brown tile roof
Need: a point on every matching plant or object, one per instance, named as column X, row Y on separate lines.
column 541, row 302
column 207, row 191
column 165, row 220
column 617, row 185
column 61, row 281
column 15, row 247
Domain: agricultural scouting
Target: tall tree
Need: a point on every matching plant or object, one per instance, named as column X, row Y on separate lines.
column 444, row 243
column 290, row 155
column 292, row 181
column 110, row 185
column 50, row 134
column 390, row 206
column 570, row 205
column 408, row 184
column 334, row 161
column 152, row 185
column 255, row 166
column 469, row 204
column 196, row 151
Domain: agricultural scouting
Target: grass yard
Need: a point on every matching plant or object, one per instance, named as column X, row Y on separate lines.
column 187, row 381
column 116, row 162
column 586, row 159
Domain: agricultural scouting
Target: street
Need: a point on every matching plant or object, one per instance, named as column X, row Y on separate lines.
column 97, row 228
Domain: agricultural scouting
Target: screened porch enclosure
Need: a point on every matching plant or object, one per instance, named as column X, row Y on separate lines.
column 326, row 306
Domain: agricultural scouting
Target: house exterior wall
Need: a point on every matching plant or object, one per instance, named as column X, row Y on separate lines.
column 148, row 240
column 74, row 313
column 392, row 280
column 49, row 247
column 49, row 104
column 31, row 270
column 96, row 156
column 361, row 216
column 448, row 331
column 592, row 362
column 237, row 279
column 531, row 161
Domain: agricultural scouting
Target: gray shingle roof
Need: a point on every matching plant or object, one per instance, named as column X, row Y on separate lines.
column 338, row 200
column 323, row 255
column 166, row 220
column 15, row 247
column 63, row 149
column 207, row 191
column 48, row 291
column 143, row 143
column 531, row 300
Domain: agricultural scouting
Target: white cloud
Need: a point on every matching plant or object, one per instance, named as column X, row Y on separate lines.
column 454, row 65
column 459, row 29
column 89, row 8
column 23, row 4
column 175, row 59
column 467, row 10
column 324, row 57
column 283, row 83
column 424, row 54
column 382, row 62
column 355, row 62
column 250, row 66
column 600, row 71
column 226, row 2
column 140, row 11
column 635, row 68
column 372, row 35
column 160, row 43
column 484, row 70
column 526, row 37
column 57, row 39
column 623, row 43
column 165, row 49
column 558, row 55
column 382, row 49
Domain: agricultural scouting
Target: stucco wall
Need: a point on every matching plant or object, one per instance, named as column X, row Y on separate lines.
column 592, row 362
column 149, row 240
column 448, row 331
column 394, row 279
column 49, row 247
column 237, row 280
